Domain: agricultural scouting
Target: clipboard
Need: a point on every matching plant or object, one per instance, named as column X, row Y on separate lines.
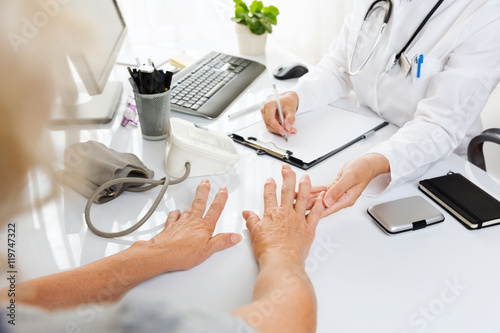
column 321, row 133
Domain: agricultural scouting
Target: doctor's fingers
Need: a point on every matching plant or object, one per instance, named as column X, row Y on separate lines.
column 313, row 195
column 271, row 118
column 343, row 193
column 290, row 103
column 289, row 121
column 345, row 181
column 347, row 199
column 315, row 191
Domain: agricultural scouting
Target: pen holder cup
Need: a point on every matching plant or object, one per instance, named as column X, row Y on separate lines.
column 154, row 114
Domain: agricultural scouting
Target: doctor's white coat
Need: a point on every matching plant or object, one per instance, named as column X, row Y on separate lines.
column 437, row 113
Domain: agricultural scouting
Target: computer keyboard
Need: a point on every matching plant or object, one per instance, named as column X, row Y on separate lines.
column 209, row 86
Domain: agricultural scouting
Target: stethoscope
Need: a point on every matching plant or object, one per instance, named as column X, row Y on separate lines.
column 399, row 57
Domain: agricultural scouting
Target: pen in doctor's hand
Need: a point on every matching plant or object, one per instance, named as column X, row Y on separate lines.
column 280, row 111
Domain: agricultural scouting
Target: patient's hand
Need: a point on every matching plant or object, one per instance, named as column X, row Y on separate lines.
column 186, row 240
column 285, row 231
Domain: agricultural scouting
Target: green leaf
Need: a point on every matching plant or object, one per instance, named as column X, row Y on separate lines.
column 267, row 26
column 258, row 18
column 271, row 10
column 260, row 30
column 240, row 13
column 271, row 18
column 253, row 23
column 240, row 3
column 258, row 15
column 255, row 26
column 256, row 7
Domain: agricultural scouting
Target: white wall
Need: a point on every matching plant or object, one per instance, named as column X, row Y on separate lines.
column 304, row 27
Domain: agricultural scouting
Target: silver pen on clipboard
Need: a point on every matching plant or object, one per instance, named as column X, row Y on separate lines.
column 280, row 111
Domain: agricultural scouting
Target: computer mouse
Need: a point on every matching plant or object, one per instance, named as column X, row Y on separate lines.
column 290, row 71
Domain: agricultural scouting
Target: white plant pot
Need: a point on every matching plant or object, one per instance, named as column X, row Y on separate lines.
column 248, row 42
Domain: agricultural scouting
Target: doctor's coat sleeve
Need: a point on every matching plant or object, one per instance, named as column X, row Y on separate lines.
column 453, row 102
column 325, row 84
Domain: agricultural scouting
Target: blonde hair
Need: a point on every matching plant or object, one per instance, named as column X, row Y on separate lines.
column 32, row 43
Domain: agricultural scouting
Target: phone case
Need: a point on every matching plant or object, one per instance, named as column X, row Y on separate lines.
column 405, row 214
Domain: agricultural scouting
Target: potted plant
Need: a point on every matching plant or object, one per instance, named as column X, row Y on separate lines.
column 253, row 24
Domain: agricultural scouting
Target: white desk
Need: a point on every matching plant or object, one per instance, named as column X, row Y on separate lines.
column 365, row 280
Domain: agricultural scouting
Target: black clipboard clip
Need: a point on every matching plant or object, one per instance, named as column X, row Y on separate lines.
column 270, row 149
column 262, row 148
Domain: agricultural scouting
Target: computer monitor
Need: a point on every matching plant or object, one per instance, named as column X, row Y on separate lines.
column 94, row 99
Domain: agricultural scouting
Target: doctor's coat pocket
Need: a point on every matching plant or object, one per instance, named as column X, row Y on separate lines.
column 428, row 69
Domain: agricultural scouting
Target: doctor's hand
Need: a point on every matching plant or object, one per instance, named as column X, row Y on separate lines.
column 285, row 232
column 352, row 180
column 289, row 104
column 186, row 240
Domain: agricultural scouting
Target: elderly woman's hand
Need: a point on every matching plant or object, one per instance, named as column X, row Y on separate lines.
column 286, row 231
column 186, row 240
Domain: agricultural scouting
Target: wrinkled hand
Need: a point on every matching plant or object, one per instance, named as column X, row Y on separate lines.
column 289, row 104
column 352, row 181
column 187, row 237
column 285, row 231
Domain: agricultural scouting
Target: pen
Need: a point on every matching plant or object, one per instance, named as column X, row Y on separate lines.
column 134, row 85
column 134, row 75
column 246, row 110
column 420, row 61
column 280, row 111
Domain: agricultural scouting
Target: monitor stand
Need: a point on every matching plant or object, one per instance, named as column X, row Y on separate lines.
column 98, row 109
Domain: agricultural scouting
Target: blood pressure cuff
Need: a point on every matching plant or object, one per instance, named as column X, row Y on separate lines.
column 88, row 165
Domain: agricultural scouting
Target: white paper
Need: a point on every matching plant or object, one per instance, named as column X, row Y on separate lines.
column 318, row 132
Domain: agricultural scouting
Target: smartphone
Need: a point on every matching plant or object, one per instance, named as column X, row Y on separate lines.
column 407, row 214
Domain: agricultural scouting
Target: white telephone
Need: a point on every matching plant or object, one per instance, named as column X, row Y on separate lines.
column 209, row 152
